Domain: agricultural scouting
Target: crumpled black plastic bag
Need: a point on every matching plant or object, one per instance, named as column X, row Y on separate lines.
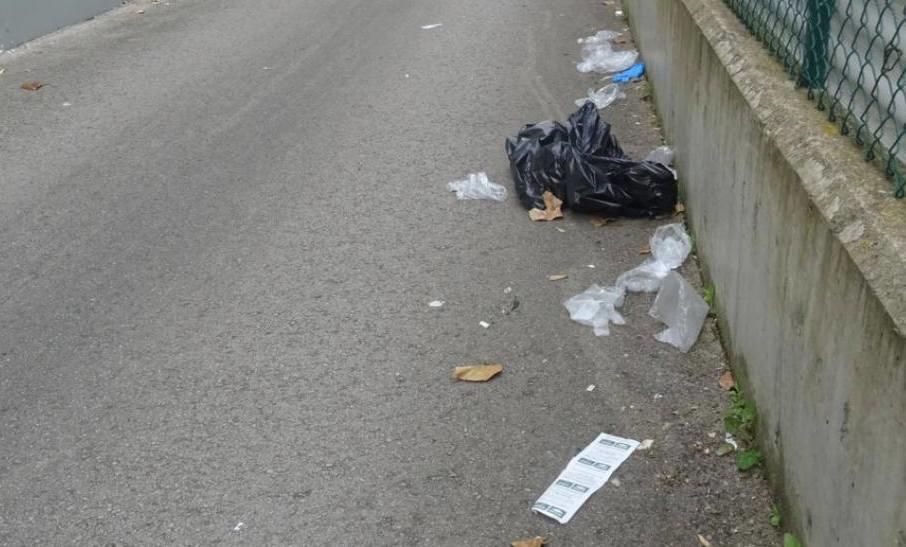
column 582, row 163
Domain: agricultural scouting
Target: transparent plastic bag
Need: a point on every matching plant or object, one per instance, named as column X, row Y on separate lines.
column 597, row 308
column 602, row 58
column 670, row 246
column 662, row 155
column 477, row 186
column 682, row 309
column 603, row 97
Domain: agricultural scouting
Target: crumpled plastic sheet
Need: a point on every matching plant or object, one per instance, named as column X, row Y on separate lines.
column 670, row 246
column 682, row 309
column 477, row 186
column 598, row 54
column 603, row 97
column 677, row 303
column 661, row 154
column 597, row 308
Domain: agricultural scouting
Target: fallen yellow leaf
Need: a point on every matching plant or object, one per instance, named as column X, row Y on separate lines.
column 551, row 209
column 679, row 209
column 727, row 382
column 703, row 541
column 557, row 277
column 536, row 541
column 646, row 250
column 477, row 373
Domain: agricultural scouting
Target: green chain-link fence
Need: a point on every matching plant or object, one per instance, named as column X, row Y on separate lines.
column 851, row 57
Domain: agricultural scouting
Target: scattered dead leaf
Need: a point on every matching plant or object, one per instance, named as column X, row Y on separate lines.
column 557, row 277
column 622, row 39
column 536, row 541
column 703, row 541
column 477, row 373
column 551, row 209
column 679, row 208
column 33, row 85
column 646, row 250
column 726, row 381
column 599, row 222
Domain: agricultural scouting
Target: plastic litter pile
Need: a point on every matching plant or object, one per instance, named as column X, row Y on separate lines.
column 677, row 305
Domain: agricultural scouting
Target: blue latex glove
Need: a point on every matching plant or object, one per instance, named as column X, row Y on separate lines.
column 632, row 73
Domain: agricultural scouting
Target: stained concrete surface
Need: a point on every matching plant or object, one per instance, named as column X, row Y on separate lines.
column 216, row 265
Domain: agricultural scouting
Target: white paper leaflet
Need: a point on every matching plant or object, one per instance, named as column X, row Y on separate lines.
column 583, row 476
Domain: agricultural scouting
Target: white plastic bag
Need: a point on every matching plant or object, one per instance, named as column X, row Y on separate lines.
column 603, row 97
column 477, row 186
column 682, row 309
column 670, row 246
column 597, row 308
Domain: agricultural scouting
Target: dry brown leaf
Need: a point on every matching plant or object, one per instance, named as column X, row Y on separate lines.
column 703, row 541
column 551, row 209
column 557, row 277
column 536, row 541
column 726, row 381
column 646, row 250
column 679, row 209
column 32, row 86
column 477, row 373
column 599, row 222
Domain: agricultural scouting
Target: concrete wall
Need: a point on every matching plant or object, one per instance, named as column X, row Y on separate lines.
column 23, row 20
column 805, row 246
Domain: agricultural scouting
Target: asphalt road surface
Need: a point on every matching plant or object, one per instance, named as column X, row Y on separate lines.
column 222, row 222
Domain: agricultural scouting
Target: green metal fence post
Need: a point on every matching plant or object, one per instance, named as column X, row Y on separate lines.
column 815, row 61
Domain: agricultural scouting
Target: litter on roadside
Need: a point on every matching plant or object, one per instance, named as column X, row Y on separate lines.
column 597, row 308
column 477, row 373
column 599, row 55
column 590, row 388
column 477, row 186
column 436, row 304
column 682, row 309
column 677, row 304
column 557, row 277
column 582, row 164
column 634, row 72
column 646, row 444
column 603, row 97
column 484, row 324
column 585, row 474
column 432, row 26
column 670, row 246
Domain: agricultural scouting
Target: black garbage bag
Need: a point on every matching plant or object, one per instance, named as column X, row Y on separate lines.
column 582, row 164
